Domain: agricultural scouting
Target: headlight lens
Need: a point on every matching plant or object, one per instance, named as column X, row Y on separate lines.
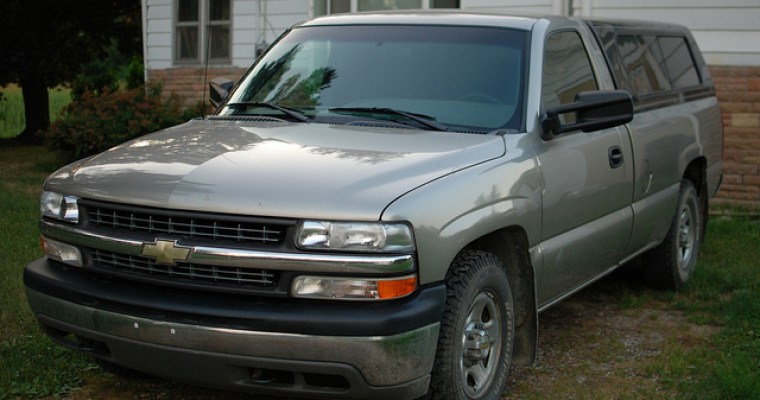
column 62, row 252
column 344, row 288
column 57, row 206
column 355, row 236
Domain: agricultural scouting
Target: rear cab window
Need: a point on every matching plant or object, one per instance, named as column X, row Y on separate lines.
column 657, row 68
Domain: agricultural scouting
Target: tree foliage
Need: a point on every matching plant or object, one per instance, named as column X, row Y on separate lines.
column 44, row 43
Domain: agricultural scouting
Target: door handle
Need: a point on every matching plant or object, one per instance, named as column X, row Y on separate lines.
column 616, row 156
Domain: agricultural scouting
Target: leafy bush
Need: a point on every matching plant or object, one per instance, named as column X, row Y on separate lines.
column 97, row 121
column 96, row 77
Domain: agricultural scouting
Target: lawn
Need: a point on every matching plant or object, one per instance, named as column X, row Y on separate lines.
column 31, row 365
column 12, row 108
column 722, row 302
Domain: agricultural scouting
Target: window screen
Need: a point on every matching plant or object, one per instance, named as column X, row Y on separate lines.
column 188, row 16
column 202, row 30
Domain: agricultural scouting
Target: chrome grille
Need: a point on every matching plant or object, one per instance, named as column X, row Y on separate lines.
column 182, row 271
column 200, row 226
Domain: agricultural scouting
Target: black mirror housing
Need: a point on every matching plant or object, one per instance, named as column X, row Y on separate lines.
column 219, row 89
column 595, row 110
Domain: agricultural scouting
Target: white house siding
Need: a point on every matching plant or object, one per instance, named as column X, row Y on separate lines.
column 726, row 31
column 257, row 23
column 158, row 34
column 249, row 28
column 245, row 32
column 515, row 6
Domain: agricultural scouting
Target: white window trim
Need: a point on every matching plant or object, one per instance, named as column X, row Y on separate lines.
column 354, row 6
column 203, row 33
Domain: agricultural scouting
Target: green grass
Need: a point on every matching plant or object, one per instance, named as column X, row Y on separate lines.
column 724, row 295
column 32, row 366
column 725, row 292
column 12, row 108
column 24, row 169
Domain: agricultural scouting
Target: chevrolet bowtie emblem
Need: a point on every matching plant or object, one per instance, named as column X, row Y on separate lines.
column 165, row 252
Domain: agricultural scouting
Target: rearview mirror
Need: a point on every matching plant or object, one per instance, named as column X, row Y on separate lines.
column 219, row 89
column 594, row 110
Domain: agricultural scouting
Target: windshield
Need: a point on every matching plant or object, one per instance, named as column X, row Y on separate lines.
column 467, row 78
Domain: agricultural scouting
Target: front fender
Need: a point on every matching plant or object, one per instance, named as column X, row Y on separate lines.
column 449, row 213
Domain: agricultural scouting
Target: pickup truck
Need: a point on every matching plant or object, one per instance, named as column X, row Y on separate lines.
column 383, row 204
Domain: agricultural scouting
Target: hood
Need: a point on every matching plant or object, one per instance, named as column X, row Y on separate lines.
column 274, row 169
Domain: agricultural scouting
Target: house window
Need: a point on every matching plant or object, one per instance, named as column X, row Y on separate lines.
column 325, row 7
column 202, row 31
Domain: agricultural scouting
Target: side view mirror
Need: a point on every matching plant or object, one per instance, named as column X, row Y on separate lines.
column 594, row 110
column 219, row 88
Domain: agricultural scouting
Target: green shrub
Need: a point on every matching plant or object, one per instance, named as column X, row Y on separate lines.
column 97, row 121
column 135, row 75
column 96, row 77
column 112, row 70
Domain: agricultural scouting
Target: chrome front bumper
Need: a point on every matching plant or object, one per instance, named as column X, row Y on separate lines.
column 390, row 366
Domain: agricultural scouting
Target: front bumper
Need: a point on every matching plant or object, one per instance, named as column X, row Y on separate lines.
column 176, row 340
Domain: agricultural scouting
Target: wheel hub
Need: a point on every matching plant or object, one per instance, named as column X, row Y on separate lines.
column 477, row 346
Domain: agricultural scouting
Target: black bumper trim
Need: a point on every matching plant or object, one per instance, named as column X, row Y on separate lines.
column 337, row 318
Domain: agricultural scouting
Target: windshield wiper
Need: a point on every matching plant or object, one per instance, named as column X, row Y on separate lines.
column 291, row 112
column 424, row 120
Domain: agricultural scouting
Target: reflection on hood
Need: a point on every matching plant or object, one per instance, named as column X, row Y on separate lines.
column 274, row 169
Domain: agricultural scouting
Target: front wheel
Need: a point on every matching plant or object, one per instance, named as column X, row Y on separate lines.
column 671, row 264
column 474, row 352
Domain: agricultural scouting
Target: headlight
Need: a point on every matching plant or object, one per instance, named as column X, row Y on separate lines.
column 57, row 206
column 355, row 236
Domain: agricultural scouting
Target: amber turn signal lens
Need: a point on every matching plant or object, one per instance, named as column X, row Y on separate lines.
column 391, row 289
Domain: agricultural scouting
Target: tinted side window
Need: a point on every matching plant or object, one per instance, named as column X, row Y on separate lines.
column 643, row 63
column 679, row 62
column 567, row 70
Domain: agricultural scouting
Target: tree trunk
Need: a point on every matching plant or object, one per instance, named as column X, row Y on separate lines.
column 36, row 107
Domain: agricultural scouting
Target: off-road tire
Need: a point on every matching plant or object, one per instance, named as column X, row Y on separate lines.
column 670, row 265
column 478, row 309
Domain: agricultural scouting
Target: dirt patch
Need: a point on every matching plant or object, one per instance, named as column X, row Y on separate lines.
column 591, row 347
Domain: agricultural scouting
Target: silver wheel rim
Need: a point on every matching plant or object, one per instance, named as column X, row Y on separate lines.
column 687, row 237
column 481, row 345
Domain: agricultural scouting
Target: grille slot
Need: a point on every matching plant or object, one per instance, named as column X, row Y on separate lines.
column 194, row 226
column 182, row 271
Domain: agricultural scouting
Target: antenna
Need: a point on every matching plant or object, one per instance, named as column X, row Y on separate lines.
column 207, row 53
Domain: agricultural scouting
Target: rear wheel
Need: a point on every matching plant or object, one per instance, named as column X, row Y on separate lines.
column 671, row 264
column 477, row 331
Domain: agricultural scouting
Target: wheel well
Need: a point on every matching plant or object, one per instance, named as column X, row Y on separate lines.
column 511, row 246
column 696, row 172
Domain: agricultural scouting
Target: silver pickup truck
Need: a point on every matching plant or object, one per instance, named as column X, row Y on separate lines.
column 383, row 204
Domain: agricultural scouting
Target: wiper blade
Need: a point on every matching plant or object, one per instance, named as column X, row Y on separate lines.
column 296, row 114
column 425, row 120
